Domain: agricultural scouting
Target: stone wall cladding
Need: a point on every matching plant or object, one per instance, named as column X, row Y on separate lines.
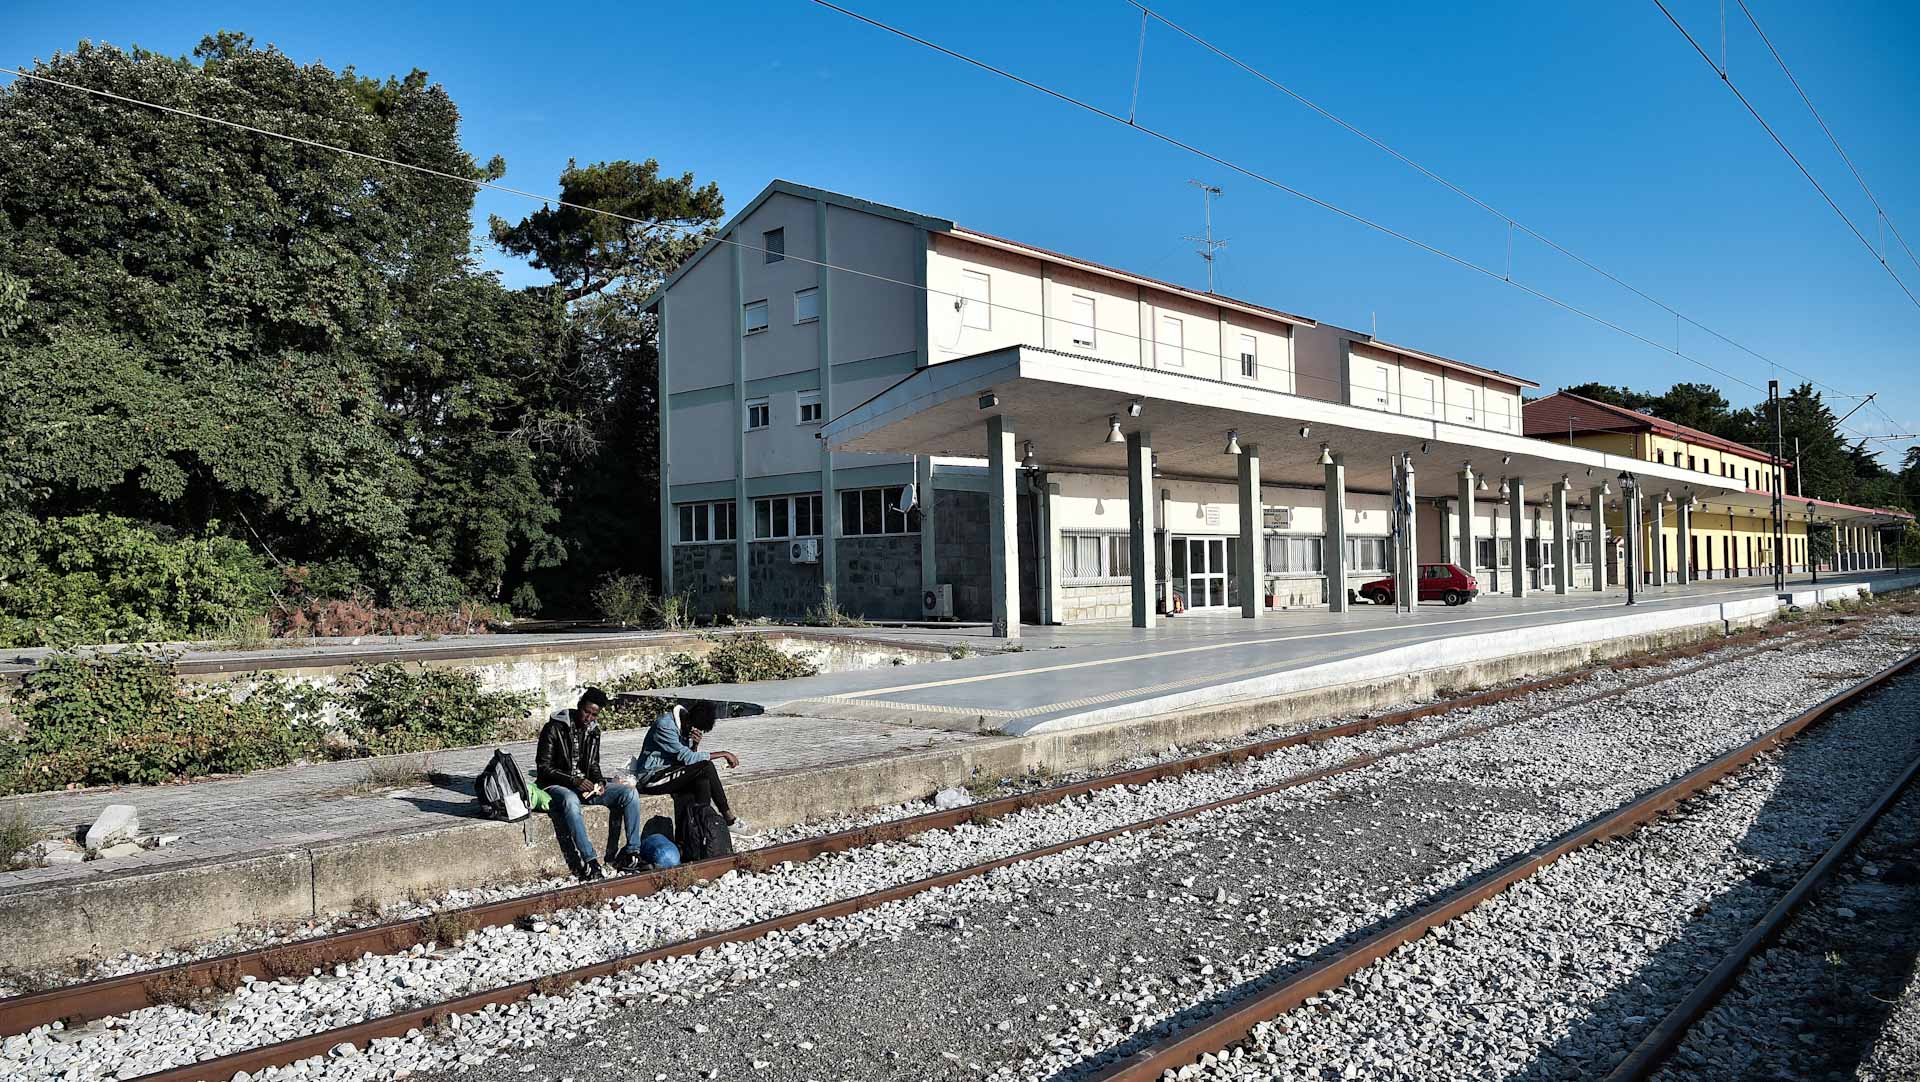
column 880, row 577
column 1298, row 593
column 1097, row 601
column 705, row 574
column 962, row 529
column 777, row 585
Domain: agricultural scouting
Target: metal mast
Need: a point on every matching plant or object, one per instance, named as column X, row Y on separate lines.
column 1208, row 246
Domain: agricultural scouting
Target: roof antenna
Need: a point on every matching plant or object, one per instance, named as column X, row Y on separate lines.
column 1208, row 246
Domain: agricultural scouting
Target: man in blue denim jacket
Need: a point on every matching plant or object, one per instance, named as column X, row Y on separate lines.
column 671, row 762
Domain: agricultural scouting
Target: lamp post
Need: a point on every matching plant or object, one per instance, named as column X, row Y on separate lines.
column 1630, row 501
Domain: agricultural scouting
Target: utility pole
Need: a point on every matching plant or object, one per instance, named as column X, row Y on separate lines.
column 1208, row 246
column 1779, row 526
column 1799, row 483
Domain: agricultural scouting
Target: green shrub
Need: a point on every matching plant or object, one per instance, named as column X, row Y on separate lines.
column 102, row 578
column 391, row 708
column 734, row 659
column 123, row 718
column 624, row 599
column 827, row 612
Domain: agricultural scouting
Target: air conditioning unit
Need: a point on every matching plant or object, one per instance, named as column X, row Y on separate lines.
column 804, row 551
column 937, row 603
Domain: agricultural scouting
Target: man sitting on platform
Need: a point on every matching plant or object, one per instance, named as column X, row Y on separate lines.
column 671, row 764
column 567, row 766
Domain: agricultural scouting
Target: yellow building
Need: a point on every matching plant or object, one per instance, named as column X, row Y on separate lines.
column 1724, row 538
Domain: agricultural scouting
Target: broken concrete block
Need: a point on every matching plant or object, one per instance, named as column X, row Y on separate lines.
column 118, row 849
column 117, row 822
column 55, row 852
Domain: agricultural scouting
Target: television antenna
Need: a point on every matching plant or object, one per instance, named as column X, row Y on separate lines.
column 1208, row 245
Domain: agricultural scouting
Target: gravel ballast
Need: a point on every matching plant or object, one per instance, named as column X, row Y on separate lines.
column 1104, row 940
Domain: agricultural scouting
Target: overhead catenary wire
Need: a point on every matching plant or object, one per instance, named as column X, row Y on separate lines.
column 1512, row 224
column 1443, row 409
column 1727, row 81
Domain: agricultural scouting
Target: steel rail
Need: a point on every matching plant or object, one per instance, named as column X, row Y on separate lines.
column 397, row 1024
column 111, row 996
column 1665, row 1038
column 1186, row 1047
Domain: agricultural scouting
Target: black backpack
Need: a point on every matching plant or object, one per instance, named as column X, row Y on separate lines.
column 699, row 831
column 501, row 790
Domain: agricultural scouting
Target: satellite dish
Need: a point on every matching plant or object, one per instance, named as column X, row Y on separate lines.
column 909, row 496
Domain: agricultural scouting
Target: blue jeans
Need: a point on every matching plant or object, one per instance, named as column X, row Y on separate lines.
column 623, row 816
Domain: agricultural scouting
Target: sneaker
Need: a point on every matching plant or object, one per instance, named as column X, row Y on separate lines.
column 592, row 871
column 627, row 862
column 740, row 828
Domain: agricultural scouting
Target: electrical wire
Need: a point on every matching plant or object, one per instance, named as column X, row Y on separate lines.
column 1788, row 151
column 1511, row 222
column 1831, row 138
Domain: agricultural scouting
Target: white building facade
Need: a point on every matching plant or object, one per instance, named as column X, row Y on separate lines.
column 812, row 305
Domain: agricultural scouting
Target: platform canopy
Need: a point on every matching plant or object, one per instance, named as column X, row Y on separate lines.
column 1063, row 402
column 1754, row 502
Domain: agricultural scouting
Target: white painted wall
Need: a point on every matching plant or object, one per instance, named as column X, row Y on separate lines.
column 1381, row 379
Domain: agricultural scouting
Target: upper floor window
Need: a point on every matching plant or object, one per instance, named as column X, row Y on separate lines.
column 1171, row 346
column 1690, row 464
column 755, row 317
column 711, row 521
column 759, row 413
column 1249, row 356
column 806, row 305
column 1080, row 310
column 775, row 243
column 976, row 300
column 811, row 412
column 1432, row 387
column 1380, row 389
column 1659, row 456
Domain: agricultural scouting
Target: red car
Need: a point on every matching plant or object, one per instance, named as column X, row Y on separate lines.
column 1438, row 582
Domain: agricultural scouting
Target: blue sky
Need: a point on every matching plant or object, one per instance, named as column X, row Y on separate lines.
column 1595, row 124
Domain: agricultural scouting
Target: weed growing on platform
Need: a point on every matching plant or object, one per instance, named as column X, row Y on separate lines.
column 827, row 612
column 734, row 659
column 17, row 836
column 394, row 709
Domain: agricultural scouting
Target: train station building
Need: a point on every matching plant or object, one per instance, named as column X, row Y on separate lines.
column 918, row 420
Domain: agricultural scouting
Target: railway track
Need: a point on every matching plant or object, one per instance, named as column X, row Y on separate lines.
column 1167, row 1057
column 113, row 996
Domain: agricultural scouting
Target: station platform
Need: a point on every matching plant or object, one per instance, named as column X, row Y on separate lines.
column 297, row 843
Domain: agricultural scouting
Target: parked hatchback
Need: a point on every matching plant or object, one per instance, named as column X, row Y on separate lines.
column 1438, row 582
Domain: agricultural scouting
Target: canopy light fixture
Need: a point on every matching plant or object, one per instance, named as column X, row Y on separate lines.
column 1505, row 491
column 1606, row 489
column 1565, row 480
column 1326, row 456
column 989, row 400
column 1233, row 442
column 1113, row 429
column 1505, row 459
column 1589, row 471
column 1666, row 496
column 1482, row 486
column 1133, row 408
column 1027, row 459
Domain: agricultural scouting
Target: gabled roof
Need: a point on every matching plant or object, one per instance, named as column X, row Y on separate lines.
column 801, row 191
column 1561, row 411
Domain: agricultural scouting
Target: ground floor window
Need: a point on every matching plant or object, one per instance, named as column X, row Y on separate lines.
column 710, row 521
column 872, row 511
column 1294, row 555
column 1366, row 554
column 1085, row 556
column 1583, row 548
column 776, row 517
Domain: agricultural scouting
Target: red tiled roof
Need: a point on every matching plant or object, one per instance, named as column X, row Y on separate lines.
column 1556, row 413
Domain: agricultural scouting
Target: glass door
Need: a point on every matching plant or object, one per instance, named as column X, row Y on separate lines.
column 1201, row 570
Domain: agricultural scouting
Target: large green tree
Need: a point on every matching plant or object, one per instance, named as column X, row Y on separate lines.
column 203, row 325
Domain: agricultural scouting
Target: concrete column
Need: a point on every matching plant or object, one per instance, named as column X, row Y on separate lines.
column 1683, row 542
column 1055, row 597
column 1333, row 551
column 1562, row 540
column 1140, row 524
column 923, row 492
column 1598, row 496
column 1466, row 519
column 1003, row 538
column 1252, row 536
column 1517, row 520
column 1840, row 555
column 1636, row 542
column 1879, row 549
column 1658, row 560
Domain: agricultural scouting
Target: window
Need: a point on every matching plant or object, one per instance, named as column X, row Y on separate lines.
column 775, row 242
column 776, row 517
column 703, row 522
column 1366, row 554
column 759, row 413
column 756, row 317
column 1433, row 395
column 1660, row 456
column 1086, row 556
column 1080, row 310
column 1506, row 413
column 976, row 300
column 806, row 305
column 1171, row 346
column 1482, row 552
column 1385, row 384
column 1690, row 464
column 811, row 411
column 1249, row 357
column 1294, row 555
column 873, row 511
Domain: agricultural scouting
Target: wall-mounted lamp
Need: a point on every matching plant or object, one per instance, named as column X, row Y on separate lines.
column 1026, row 460
column 1305, row 431
column 1133, row 408
column 989, row 400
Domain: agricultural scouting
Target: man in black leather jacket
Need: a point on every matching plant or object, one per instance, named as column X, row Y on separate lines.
column 567, row 766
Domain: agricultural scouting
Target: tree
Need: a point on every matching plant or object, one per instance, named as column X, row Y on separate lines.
column 604, row 265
